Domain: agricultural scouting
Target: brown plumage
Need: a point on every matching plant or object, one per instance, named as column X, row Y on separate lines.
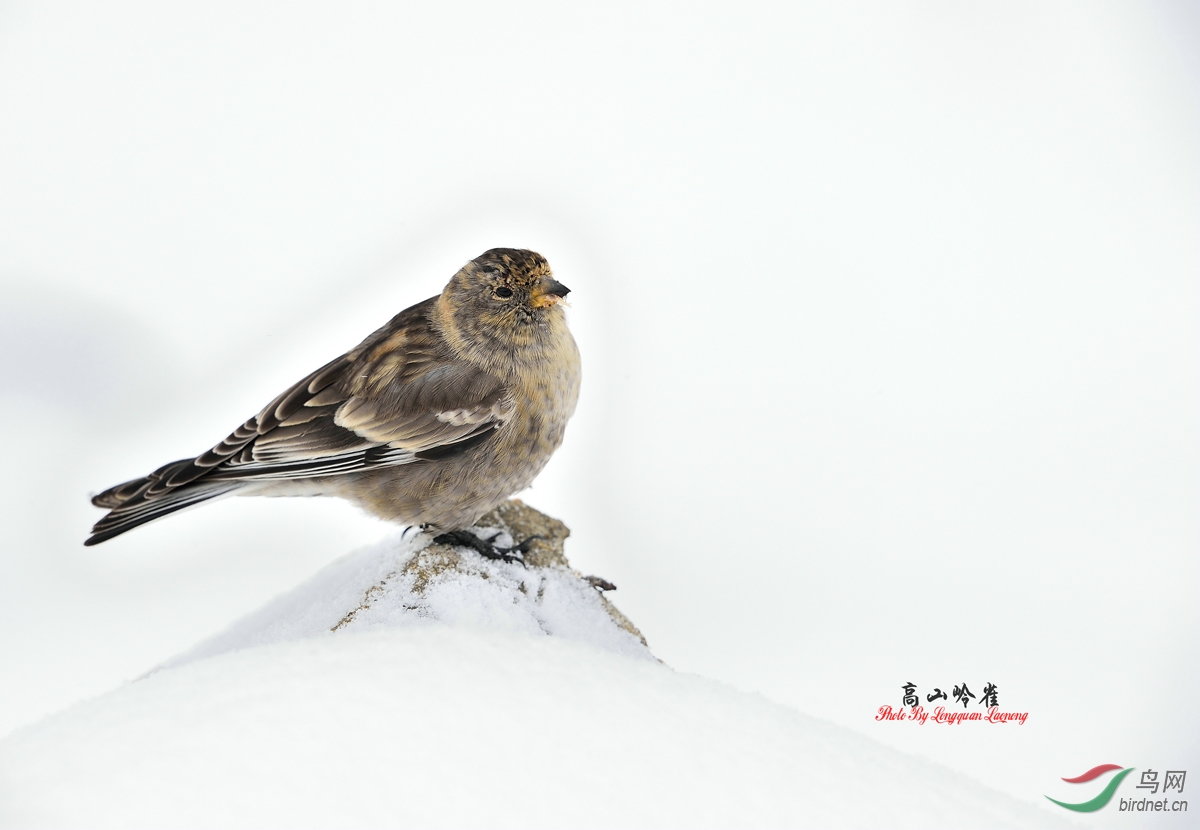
column 453, row 406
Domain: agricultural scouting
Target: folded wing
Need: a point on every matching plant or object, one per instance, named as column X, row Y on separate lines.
column 398, row 398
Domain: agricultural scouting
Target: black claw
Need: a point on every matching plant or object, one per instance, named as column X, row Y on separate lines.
column 524, row 546
column 484, row 547
column 600, row 583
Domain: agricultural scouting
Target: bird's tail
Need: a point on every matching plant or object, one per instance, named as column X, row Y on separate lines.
column 132, row 504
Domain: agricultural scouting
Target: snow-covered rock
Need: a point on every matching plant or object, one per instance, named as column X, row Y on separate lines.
column 405, row 581
column 410, row 685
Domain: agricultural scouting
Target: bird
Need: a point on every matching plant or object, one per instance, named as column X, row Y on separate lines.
column 454, row 405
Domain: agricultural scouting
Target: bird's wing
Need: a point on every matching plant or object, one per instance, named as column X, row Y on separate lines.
column 408, row 393
column 399, row 397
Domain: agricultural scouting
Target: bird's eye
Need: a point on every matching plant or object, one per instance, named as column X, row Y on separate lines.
column 504, row 292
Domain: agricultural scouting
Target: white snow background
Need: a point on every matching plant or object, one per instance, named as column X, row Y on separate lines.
column 888, row 314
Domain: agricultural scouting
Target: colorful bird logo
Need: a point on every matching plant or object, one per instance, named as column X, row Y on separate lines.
column 1105, row 795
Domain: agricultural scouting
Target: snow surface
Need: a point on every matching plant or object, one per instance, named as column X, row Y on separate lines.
column 491, row 696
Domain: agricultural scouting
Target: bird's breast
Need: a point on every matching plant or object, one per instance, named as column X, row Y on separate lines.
column 545, row 396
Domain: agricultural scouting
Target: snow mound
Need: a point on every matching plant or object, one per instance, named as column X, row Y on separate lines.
column 459, row 726
column 414, row 685
column 406, row 581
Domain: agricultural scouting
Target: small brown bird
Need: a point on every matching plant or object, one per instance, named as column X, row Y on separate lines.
column 433, row 420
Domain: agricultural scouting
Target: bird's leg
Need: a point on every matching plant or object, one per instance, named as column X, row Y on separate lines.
column 485, row 547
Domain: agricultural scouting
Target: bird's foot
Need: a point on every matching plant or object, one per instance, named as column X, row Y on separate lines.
column 486, row 547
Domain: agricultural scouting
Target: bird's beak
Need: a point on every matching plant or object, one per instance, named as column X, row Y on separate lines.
column 547, row 293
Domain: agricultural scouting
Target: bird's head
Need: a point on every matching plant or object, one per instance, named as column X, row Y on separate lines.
column 504, row 300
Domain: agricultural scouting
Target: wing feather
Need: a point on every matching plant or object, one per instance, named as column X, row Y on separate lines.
column 400, row 397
